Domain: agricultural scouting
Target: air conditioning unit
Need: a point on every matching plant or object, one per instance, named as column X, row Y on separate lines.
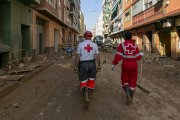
column 167, row 23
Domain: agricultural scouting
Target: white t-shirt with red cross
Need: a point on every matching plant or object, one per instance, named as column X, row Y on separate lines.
column 87, row 50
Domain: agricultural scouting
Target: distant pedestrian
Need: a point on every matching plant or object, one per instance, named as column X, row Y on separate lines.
column 69, row 50
column 129, row 53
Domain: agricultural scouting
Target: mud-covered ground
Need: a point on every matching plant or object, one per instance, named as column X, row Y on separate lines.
column 54, row 95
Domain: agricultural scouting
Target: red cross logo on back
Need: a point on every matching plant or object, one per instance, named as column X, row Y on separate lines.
column 88, row 48
column 130, row 49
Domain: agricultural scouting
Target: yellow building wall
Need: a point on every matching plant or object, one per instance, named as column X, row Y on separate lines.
column 50, row 25
column 174, row 43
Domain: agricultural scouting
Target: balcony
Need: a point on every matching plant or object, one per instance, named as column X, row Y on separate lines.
column 68, row 5
column 148, row 16
column 31, row 1
column 75, row 27
column 68, row 22
column 115, row 3
column 72, row 1
column 71, row 12
column 106, row 31
column 50, row 10
column 115, row 29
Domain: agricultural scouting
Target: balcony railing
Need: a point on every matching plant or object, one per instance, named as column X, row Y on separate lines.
column 151, row 14
column 53, row 11
column 68, row 22
column 75, row 27
column 49, row 8
column 72, row 1
column 115, row 29
column 105, row 31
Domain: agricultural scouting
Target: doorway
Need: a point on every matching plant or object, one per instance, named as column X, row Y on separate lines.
column 40, row 43
column 56, row 40
column 25, row 33
column 40, row 38
column 165, row 41
column 149, row 41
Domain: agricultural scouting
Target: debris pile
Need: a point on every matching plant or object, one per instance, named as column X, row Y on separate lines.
column 151, row 58
column 16, row 71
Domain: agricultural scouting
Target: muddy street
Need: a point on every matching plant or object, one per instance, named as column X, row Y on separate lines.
column 54, row 95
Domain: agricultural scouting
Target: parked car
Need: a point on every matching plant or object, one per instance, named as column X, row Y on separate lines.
column 108, row 45
column 98, row 40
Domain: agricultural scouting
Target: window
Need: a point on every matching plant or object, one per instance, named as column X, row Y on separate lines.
column 127, row 16
column 137, row 7
column 148, row 3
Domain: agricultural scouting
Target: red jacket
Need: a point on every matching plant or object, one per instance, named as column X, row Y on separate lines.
column 128, row 51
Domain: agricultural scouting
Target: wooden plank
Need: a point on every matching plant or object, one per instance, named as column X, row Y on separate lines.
column 11, row 77
column 20, row 71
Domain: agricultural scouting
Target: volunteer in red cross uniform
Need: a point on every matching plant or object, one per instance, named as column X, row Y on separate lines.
column 129, row 53
column 87, row 55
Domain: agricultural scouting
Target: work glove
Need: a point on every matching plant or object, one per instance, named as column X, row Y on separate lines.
column 112, row 67
column 98, row 68
column 76, row 69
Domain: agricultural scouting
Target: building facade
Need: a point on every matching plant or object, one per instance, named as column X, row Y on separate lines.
column 75, row 20
column 37, row 26
column 15, row 29
column 154, row 24
column 106, row 16
column 50, row 26
column 116, row 25
column 82, row 26
column 99, row 25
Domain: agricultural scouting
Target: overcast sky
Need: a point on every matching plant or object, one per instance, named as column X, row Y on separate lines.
column 91, row 10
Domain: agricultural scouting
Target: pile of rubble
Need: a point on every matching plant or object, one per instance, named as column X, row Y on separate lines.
column 53, row 58
column 172, row 66
column 13, row 75
column 152, row 58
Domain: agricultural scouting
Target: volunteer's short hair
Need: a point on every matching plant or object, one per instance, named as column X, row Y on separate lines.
column 127, row 35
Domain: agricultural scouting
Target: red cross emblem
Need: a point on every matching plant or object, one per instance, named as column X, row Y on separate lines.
column 88, row 48
column 130, row 49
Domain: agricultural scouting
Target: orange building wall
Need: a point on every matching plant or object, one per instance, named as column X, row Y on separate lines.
column 173, row 5
column 127, row 24
column 127, row 4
